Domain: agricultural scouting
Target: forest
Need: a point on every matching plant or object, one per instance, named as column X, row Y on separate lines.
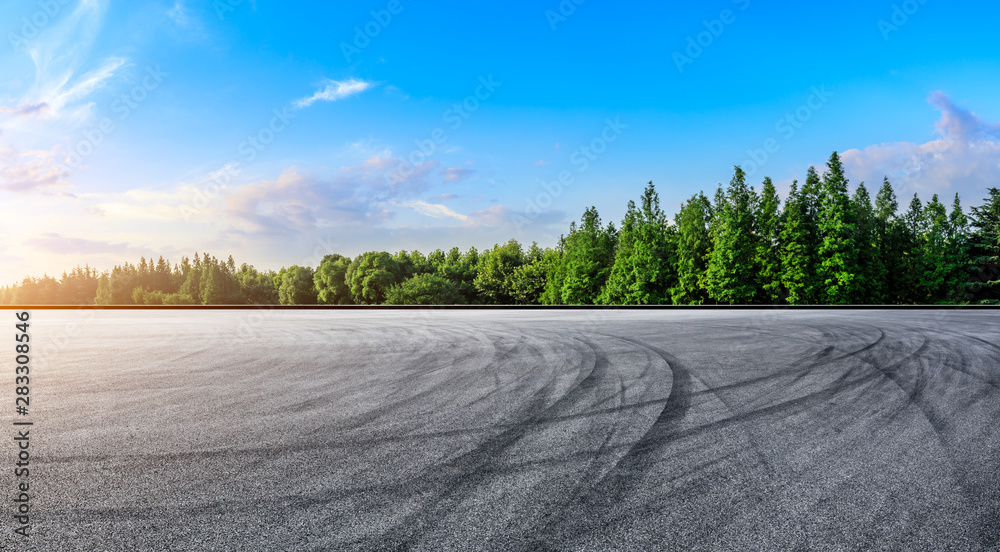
column 822, row 245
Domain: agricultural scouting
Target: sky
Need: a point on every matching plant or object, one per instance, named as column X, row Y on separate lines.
column 278, row 132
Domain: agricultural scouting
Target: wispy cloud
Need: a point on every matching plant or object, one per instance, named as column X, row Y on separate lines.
column 62, row 81
column 457, row 174
column 965, row 157
column 32, row 171
column 51, row 242
column 190, row 23
column 25, row 110
column 61, row 94
column 433, row 210
column 334, row 91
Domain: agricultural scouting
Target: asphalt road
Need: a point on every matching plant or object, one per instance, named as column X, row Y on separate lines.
column 512, row 430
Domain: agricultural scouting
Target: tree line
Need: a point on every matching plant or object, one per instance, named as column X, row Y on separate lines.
column 822, row 245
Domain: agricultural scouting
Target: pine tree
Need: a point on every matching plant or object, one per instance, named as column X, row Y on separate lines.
column 912, row 228
column 693, row 241
column 588, row 256
column 730, row 276
column 838, row 270
column 645, row 268
column 768, row 255
column 890, row 234
column 211, row 285
column 985, row 249
column 871, row 267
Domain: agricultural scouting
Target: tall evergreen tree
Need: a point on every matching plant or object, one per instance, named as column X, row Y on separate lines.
column 890, row 235
column 869, row 287
column 768, row 255
column 838, row 268
column 588, row 255
column 645, row 268
column 693, row 242
column 912, row 228
column 730, row 277
column 796, row 265
column 985, row 249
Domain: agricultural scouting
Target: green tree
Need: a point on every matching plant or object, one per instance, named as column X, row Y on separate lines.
column 985, row 249
column 257, row 287
column 693, row 242
column 211, row 285
column 371, row 275
column 871, row 276
column 891, row 237
column 944, row 254
column 425, row 289
column 588, row 255
column 730, row 277
column 331, row 281
column 457, row 268
column 798, row 252
column 297, row 287
column 768, row 255
column 644, row 270
column 529, row 281
column 912, row 227
column 838, row 269
column 495, row 270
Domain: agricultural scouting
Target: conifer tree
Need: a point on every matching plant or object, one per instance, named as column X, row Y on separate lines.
column 768, row 254
column 985, row 249
column 871, row 267
column 890, row 237
column 796, row 276
column 730, row 276
column 838, row 269
column 645, row 268
column 588, row 256
column 911, row 233
column 693, row 241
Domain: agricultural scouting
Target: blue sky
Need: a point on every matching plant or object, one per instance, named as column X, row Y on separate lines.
column 278, row 132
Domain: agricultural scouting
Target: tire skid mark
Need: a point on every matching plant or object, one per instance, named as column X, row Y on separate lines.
column 470, row 470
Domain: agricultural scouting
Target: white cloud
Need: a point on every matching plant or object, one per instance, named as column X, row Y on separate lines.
column 457, row 174
column 62, row 82
column 58, row 95
column 334, row 91
column 964, row 158
column 433, row 210
column 32, row 171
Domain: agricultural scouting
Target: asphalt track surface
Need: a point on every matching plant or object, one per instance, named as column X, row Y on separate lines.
column 513, row 430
